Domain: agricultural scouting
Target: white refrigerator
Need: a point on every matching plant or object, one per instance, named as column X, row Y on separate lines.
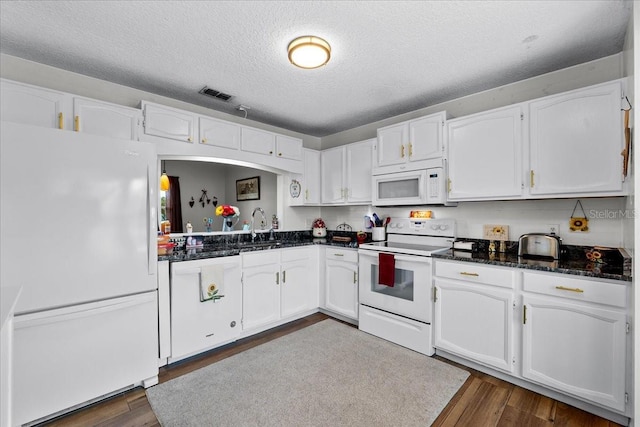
column 78, row 234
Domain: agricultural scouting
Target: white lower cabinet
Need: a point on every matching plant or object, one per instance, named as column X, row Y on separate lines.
column 475, row 321
column 277, row 284
column 341, row 281
column 573, row 330
column 571, row 341
column 198, row 324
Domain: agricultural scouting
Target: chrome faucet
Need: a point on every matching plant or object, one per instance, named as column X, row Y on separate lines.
column 253, row 220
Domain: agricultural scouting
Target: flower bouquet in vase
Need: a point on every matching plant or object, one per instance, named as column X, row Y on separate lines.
column 230, row 216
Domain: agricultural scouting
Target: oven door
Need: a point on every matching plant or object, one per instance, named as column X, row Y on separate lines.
column 404, row 188
column 411, row 294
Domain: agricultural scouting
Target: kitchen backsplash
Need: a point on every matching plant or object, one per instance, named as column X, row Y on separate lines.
column 606, row 216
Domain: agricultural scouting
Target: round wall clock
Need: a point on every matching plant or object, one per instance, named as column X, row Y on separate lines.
column 295, row 188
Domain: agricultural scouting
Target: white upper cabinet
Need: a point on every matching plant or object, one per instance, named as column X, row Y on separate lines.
column 402, row 144
column 31, row 105
column 106, row 119
column 485, row 155
column 346, row 173
column 576, row 141
column 168, row 122
column 219, row 133
column 304, row 189
column 270, row 144
column 257, row 141
column 288, row 148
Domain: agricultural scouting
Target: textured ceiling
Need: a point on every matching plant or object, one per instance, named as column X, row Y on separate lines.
column 388, row 57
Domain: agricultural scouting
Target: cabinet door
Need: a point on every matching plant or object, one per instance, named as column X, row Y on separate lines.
column 257, row 141
column 392, row 148
column 288, row 148
column 332, row 161
column 341, row 290
column 475, row 322
column 578, row 349
column 359, row 158
column 311, row 182
column 102, row 118
column 199, row 325
column 576, row 140
column 485, row 155
column 260, row 295
column 425, row 137
column 219, row 133
column 169, row 122
column 295, row 289
column 34, row 106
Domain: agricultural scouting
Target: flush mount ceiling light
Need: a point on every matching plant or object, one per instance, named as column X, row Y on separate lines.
column 309, row 52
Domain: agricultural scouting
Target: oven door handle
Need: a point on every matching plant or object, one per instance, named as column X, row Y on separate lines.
column 398, row 257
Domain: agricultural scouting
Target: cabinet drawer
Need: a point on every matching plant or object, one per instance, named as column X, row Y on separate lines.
column 265, row 257
column 588, row 290
column 472, row 272
column 295, row 254
column 348, row 255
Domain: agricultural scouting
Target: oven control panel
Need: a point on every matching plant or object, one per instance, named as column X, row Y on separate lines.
column 422, row 227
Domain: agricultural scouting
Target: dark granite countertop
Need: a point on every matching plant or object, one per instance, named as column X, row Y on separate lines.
column 566, row 264
column 222, row 245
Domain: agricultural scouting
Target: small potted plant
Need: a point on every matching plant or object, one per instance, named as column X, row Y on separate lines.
column 319, row 228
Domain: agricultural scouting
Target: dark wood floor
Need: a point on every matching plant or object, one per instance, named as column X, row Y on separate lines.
column 482, row 401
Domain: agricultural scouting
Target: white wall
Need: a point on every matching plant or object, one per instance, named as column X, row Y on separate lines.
column 21, row 70
column 524, row 216
column 581, row 75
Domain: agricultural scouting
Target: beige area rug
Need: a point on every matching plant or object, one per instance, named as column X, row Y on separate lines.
column 327, row 374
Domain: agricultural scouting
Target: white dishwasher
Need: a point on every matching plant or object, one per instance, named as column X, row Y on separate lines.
column 206, row 305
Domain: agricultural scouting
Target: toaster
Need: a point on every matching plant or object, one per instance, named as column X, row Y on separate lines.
column 539, row 245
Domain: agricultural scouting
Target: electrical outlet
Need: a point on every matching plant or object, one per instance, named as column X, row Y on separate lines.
column 495, row 232
column 553, row 228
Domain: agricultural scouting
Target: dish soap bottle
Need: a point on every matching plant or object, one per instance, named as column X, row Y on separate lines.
column 274, row 222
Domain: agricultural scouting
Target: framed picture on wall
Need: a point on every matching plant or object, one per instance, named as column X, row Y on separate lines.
column 248, row 189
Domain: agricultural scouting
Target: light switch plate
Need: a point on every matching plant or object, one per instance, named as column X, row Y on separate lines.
column 495, row 232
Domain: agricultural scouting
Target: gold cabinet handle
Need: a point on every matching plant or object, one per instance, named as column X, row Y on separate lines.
column 306, row 194
column 189, row 139
column 278, row 278
column 284, row 277
column 562, row 288
column 410, row 149
column 60, row 121
column 524, row 314
column 204, row 140
column 435, row 294
column 270, row 152
column 464, row 273
column 338, row 254
column 402, row 151
column 531, row 175
column 355, row 277
column 449, row 185
column 279, row 154
column 76, row 123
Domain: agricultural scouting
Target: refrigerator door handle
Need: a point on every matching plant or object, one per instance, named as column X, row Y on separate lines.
column 152, row 247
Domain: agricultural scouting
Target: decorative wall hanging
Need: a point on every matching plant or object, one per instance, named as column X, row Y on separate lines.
column 192, row 202
column 578, row 223
column 295, row 188
column 248, row 189
column 204, row 198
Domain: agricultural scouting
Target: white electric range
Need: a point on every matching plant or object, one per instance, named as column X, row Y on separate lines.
column 399, row 308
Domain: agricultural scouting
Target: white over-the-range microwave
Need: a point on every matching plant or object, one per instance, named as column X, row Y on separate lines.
column 416, row 187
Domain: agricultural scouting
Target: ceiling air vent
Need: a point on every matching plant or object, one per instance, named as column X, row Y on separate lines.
column 215, row 93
